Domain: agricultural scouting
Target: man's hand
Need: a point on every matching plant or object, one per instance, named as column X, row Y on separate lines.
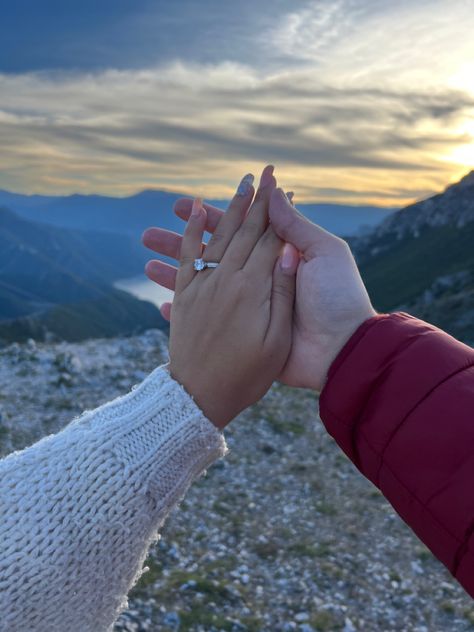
column 331, row 299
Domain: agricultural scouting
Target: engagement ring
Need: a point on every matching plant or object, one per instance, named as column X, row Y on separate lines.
column 200, row 264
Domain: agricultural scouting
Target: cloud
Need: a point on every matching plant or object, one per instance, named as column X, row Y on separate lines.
column 335, row 100
column 170, row 121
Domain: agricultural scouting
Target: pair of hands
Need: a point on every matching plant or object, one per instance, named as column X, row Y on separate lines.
column 284, row 300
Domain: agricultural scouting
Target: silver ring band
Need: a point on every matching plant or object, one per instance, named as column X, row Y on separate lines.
column 200, row 264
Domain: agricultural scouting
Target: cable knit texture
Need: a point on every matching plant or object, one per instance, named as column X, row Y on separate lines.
column 79, row 509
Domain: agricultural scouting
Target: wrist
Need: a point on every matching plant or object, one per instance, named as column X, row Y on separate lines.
column 214, row 409
column 342, row 340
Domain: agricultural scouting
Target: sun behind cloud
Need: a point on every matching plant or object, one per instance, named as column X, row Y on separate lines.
column 355, row 102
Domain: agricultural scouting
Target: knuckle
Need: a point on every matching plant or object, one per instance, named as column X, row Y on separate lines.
column 341, row 244
column 217, row 237
column 272, row 238
column 186, row 261
column 281, row 290
column 250, row 227
column 243, row 282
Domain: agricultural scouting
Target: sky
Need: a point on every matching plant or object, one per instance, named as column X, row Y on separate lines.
column 353, row 101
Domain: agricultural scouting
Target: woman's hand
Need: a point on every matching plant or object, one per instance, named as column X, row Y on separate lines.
column 230, row 331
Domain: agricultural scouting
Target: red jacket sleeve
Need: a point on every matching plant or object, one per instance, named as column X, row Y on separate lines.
column 399, row 400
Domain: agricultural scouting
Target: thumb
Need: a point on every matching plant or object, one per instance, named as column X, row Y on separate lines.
column 283, row 294
column 291, row 226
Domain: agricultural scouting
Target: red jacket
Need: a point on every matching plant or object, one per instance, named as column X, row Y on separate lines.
column 399, row 400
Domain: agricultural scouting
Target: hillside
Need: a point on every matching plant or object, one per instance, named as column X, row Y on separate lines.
column 111, row 314
column 283, row 535
column 87, row 255
column 421, row 259
column 59, row 281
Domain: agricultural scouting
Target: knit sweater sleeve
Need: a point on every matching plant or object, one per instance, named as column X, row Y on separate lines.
column 79, row 509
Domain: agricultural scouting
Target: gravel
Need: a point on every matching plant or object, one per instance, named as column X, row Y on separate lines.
column 282, row 535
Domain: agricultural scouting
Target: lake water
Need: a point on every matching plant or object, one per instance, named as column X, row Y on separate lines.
column 141, row 287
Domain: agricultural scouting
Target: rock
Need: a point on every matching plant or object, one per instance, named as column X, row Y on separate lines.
column 417, row 568
column 348, row 626
column 172, row 620
column 301, row 616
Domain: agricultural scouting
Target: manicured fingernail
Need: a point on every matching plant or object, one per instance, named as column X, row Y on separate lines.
column 197, row 205
column 287, row 258
column 267, row 176
column 245, row 185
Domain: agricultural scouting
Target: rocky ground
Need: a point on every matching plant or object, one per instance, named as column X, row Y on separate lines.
column 282, row 535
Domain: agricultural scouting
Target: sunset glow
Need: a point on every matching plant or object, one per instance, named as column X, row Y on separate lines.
column 353, row 101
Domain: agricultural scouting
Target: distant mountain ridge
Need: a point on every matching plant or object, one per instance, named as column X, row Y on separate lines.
column 421, row 260
column 131, row 215
column 88, row 253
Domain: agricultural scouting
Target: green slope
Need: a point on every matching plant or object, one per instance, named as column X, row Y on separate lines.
column 115, row 313
column 399, row 275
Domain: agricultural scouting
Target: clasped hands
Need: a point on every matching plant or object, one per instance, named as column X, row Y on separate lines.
column 285, row 298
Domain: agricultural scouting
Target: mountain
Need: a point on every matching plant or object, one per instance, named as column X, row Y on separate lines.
column 52, row 277
column 127, row 216
column 111, row 313
column 421, row 260
column 86, row 253
column 345, row 220
column 131, row 215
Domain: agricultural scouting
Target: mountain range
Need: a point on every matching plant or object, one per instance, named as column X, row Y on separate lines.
column 131, row 215
column 421, row 260
column 60, row 255
column 53, row 277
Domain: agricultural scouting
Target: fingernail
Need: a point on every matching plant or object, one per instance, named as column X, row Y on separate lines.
column 245, row 185
column 286, row 258
column 267, row 176
column 197, row 205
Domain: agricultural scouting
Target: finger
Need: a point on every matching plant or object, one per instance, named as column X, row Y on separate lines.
column 283, row 297
column 191, row 246
column 183, row 206
column 290, row 195
column 254, row 224
column 161, row 273
column 165, row 310
column 291, row 226
column 263, row 256
column 231, row 220
column 165, row 242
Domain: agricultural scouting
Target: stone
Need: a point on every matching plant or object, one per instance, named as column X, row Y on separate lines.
column 301, row 616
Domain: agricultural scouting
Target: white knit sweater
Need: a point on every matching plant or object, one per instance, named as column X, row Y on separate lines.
column 79, row 509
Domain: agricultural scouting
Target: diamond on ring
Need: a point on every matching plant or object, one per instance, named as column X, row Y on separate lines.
column 200, row 264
